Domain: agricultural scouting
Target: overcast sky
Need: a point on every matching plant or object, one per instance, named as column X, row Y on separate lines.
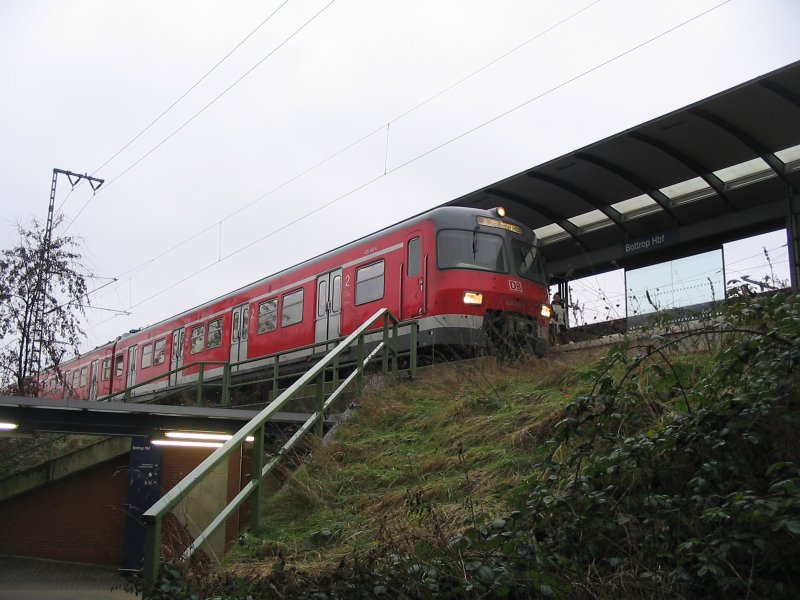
column 236, row 166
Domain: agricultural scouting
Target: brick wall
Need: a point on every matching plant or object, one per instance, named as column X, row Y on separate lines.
column 81, row 518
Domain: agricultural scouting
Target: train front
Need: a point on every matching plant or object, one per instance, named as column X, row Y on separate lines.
column 490, row 287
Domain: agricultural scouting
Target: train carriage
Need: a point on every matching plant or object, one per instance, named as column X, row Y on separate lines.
column 469, row 277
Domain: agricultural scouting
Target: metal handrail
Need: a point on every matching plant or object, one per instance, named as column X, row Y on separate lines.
column 126, row 392
column 154, row 516
column 228, row 368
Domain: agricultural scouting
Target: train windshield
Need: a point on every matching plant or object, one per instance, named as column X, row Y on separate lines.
column 528, row 261
column 461, row 249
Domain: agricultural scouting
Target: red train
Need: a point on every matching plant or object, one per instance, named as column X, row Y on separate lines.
column 468, row 276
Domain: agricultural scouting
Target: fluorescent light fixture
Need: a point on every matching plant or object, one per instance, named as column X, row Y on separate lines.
column 186, row 443
column 207, row 437
column 8, row 426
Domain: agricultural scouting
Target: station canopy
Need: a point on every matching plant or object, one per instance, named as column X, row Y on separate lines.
column 721, row 169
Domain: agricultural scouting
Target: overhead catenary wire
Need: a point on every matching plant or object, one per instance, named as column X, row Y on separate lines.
column 193, row 86
column 426, row 153
column 357, row 141
column 202, row 110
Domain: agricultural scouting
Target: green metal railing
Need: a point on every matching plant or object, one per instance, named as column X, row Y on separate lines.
column 154, row 517
column 127, row 394
column 225, row 383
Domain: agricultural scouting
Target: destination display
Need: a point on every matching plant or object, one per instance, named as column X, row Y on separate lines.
column 487, row 222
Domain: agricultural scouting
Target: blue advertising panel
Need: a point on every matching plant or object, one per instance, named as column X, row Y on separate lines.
column 144, row 489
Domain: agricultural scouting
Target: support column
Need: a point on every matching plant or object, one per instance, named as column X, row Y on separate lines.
column 793, row 235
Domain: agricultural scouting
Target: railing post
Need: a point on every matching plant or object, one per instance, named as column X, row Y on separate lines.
column 152, row 554
column 412, row 356
column 335, row 382
column 127, row 396
column 385, row 355
column 200, row 384
column 256, row 464
column 319, row 427
column 395, row 350
column 275, row 371
column 360, row 363
column 226, row 385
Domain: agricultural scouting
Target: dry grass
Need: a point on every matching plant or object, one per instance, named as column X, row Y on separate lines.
column 458, row 442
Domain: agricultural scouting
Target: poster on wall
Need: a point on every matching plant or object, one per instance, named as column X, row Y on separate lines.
column 144, row 489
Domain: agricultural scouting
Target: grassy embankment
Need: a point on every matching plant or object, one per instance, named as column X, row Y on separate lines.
column 658, row 470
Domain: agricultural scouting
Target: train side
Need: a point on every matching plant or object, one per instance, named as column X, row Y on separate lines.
column 468, row 276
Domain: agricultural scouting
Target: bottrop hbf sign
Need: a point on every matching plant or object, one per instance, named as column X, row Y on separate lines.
column 655, row 241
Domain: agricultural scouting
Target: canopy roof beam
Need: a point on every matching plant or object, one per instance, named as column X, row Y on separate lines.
column 657, row 195
column 614, row 215
column 776, row 164
column 714, row 182
column 547, row 213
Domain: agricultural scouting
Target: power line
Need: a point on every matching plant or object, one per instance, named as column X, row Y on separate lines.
column 438, row 147
column 360, row 139
column 559, row 86
column 206, row 107
column 196, row 83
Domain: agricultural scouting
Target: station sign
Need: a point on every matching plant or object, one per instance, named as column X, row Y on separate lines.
column 144, row 490
column 653, row 242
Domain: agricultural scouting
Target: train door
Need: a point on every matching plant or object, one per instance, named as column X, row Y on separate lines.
column 130, row 381
column 328, row 318
column 93, row 377
column 240, row 321
column 176, row 356
column 413, row 279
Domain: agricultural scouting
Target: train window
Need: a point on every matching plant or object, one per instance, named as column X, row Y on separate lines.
column 322, row 297
column 414, row 257
column 197, row 342
column 235, row 328
column 462, row 249
column 528, row 261
column 369, row 283
column 292, row 308
column 118, row 365
column 76, row 378
column 147, row 355
column 215, row 333
column 83, row 376
column 268, row 315
column 106, row 369
column 245, row 321
column 337, row 293
column 160, row 351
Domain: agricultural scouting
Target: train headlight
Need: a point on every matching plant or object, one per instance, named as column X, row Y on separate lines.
column 501, row 212
column 547, row 312
column 475, row 298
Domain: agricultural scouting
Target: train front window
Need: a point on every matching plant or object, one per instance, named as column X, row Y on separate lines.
column 528, row 261
column 461, row 249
